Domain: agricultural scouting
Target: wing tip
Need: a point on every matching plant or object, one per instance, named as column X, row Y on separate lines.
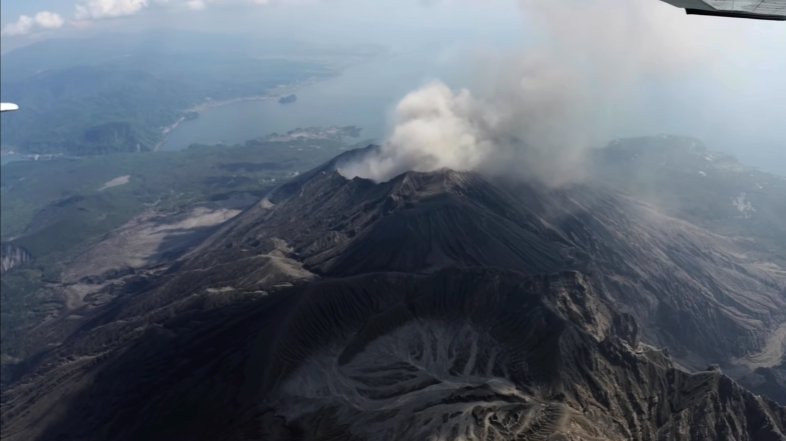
column 736, row 14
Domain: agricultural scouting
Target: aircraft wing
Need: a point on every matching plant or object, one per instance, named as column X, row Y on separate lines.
column 756, row 9
column 7, row 107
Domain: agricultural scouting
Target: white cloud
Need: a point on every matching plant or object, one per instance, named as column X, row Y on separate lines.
column 91, row 10
column 25, row 24
column 198, row 5
column 49, row 20
column 98, row 9
column 21, row 27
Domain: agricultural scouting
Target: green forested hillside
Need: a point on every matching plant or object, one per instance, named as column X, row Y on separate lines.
column 91, row 110
column 116, row 93
column 53, row 209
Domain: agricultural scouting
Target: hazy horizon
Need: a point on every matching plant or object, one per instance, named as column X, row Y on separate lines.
column 648, row 68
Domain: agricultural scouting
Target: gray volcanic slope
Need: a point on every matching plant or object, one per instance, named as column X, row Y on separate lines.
column 463, row 354
column 450, row 308
column 708, row 297
column 490, row 355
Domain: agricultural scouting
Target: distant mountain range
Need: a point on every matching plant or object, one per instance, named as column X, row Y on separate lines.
column 443, row 305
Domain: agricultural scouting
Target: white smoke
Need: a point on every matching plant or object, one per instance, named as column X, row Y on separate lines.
column 528, row 123
column 536, row 113
column 435, row 128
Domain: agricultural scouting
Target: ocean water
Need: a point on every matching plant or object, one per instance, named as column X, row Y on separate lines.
column 5, row 159
column 364, row 95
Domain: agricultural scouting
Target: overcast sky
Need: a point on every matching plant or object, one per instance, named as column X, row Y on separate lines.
column 723, row 80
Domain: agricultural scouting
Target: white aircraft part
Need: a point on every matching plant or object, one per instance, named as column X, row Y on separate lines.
column 690, row 4
column 769, row 7
column 7, row 107
column 757, row 7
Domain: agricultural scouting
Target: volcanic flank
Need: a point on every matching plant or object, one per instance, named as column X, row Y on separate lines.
column 439, row 305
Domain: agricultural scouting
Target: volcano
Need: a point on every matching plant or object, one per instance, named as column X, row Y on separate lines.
column 444, row 305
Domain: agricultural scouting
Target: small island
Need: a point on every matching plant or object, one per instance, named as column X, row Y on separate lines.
column 289, row 99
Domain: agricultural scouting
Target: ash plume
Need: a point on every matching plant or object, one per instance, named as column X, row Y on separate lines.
column 536, row 113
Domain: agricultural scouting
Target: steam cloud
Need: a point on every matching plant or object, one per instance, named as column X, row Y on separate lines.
column 537, row 113
column 520, row 127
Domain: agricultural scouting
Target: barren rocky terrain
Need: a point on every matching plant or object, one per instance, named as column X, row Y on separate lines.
column 443, row 305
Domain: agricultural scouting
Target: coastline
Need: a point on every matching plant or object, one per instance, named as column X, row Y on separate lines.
column 165, row 131
column 275, row 93
column 33, row 156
